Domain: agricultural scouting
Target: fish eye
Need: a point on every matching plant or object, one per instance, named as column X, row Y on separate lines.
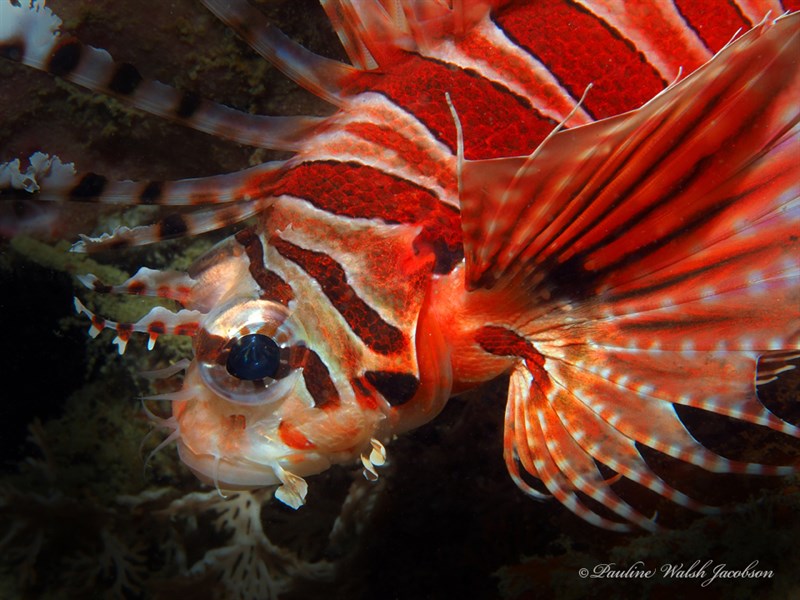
column 253, row 356
column 247, row 351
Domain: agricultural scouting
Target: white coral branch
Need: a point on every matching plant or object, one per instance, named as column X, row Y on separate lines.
column 42, row 170
column 249, row 565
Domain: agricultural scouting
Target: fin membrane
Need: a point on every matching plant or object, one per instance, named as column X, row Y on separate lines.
column 659, row 252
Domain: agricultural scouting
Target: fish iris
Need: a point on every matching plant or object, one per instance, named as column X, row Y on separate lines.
column 253, row 357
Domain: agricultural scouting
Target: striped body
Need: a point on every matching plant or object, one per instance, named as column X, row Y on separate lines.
column 432, row 234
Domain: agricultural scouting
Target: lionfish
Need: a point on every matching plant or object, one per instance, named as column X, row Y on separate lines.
column 597, row 198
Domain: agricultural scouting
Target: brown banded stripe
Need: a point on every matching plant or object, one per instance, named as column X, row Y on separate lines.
column 378, row 335
column 272, row 286
column 502, row 341
column 13, row 49
column 397, row 388
column 65, row 57
column 90, row 187
column 125, row 80
column 316, row 377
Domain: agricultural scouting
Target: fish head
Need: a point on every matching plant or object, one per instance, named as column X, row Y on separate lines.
column 303, row 360
column 311, row 344
column 267, row 398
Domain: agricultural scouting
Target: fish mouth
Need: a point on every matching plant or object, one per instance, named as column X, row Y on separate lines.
column 240, row 447
column 263, row 463
column 260, row 462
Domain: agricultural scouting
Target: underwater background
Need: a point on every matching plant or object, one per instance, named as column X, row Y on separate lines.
column 81, row 516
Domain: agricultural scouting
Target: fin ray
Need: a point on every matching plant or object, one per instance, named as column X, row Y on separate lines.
column 617, row 452
column 35, row 31
column 596, row 195
column 371, row 31
column 319, row 75
column 530, row 445
column 172, row 226
column 47, row 178
column 658, row 250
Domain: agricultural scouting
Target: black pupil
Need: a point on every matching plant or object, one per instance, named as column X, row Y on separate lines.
column 253, row 356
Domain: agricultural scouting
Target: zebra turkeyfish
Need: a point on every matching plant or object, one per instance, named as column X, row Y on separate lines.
column 597, row 198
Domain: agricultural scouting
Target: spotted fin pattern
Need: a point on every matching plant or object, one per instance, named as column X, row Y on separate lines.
column 158, row 321
column 33, row 37
column 665, row 258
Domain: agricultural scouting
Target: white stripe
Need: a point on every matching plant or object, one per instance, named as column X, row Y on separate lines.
column 756, row 10
column 628, row 18
column 340, row 146
column 359, row 276
column 539, row 83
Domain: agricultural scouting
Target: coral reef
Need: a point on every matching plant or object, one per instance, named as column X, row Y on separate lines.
column 72, row 543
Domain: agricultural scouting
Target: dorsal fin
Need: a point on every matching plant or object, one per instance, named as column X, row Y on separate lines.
column 371, row 31
column 319, row 75
column 31, row 34
column 597, row 193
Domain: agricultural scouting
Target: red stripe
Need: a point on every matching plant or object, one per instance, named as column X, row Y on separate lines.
column 505, row 342
column 359, row 191
column 714, row 22
column 292, row 437
column 496, row 121
column 364, row 320
column 137, row 288
column 579, row 48
column 157, row 327
column 386, row 137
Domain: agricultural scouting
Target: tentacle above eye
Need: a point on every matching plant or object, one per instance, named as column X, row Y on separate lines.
column 157, row 322
column 174, row 285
